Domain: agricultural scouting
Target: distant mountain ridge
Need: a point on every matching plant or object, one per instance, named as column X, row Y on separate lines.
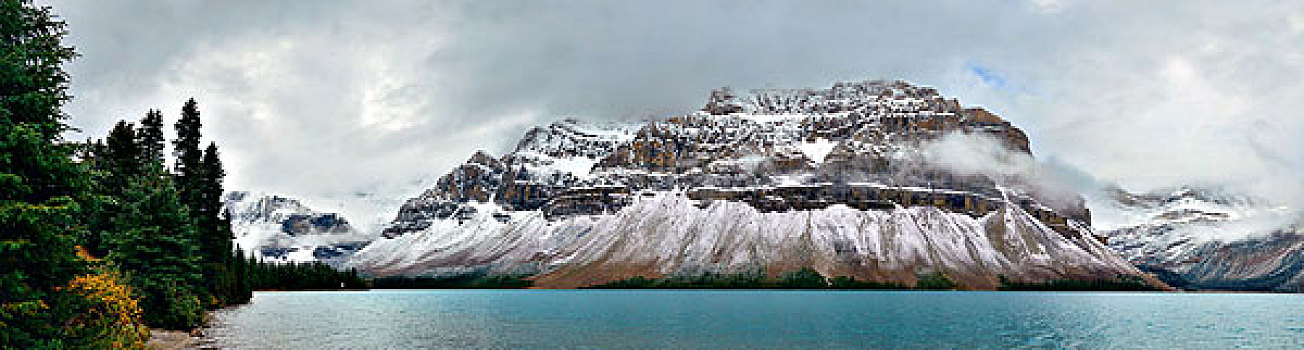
column 276, row 228
column 835, row 179
column 1206, row 238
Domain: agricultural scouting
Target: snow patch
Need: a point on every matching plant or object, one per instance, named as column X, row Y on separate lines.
column 817, row 149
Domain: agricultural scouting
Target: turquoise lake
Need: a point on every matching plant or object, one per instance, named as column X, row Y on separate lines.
column 674, row 319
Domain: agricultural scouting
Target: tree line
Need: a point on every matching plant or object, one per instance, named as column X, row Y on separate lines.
column 100, row 240
column 803, row 278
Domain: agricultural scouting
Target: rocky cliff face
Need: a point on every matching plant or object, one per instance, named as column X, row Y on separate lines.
column 1211, row 239
column 836, row 179
column 276, row 228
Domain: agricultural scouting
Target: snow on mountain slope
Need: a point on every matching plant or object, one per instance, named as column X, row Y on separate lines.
column 276, row 228
column 1208, row 238
column 668, row 234
column 835, row 179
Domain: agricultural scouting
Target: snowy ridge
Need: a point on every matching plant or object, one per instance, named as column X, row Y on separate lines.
column 276, row 228
column 1210, row 238
column 834, row 179
column 669, row 234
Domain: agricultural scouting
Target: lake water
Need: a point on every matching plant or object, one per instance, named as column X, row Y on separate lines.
column 667, row 319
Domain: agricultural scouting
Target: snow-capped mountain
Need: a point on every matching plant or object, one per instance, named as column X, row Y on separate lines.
column 838, row 179
column 276, row 228
column 1210, row 239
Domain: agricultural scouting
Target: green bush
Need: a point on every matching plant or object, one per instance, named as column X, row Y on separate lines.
column 848, row 282
column 174, row 307
column 804, row 278
column 935, row 281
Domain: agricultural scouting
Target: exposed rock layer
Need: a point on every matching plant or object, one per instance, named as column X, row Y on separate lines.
column 833, row 179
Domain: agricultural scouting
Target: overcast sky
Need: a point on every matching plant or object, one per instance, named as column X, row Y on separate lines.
column 323, row 99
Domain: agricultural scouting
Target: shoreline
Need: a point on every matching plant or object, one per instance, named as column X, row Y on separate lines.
column 162, row 339
column 169, row 339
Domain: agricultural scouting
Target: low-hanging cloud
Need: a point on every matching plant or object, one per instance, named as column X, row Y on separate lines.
column 1056, row 184
column 325, row 99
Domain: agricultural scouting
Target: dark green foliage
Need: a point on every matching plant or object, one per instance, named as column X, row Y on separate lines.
column 40, row 185
column 186, row 147
column 165, row 229
column 144, row 227
column 636, row 282
column 199, row 176
column 120, row 158
column 1118, row 283
column 174, row 307
column 215, row 236
column 697, row 281
column 152, row 240
column 242, row 268
column 934, row 281
column 847, row 282
column 150, row 137
column 714, row 281
column 799, row 279
column 303, row 276
column 804, row 278
column 470, row 281
column 33, row 84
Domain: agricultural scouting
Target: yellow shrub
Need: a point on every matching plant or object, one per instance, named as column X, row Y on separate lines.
column 109, row 315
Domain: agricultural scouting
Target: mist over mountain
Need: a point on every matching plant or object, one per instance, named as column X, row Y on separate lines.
column 862, row 179
column 1211, row 238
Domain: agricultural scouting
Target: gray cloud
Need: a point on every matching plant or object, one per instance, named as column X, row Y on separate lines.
column 325, row 99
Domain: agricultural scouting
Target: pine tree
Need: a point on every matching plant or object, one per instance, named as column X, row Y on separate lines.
column 39, row 182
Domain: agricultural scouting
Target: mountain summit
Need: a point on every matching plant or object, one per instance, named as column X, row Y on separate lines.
column 847, row 180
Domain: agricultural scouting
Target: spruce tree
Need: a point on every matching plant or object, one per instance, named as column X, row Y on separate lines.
column 113, row 161
column 208, row 205
column 150, row 137
column 154, row 241
column 188, row 155
column 39, row 182
column 121, row 158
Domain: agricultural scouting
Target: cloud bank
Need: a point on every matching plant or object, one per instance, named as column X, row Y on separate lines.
column 324, row 100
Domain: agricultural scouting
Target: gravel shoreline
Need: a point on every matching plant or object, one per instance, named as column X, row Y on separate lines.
column 171, row 340
column 164, row 339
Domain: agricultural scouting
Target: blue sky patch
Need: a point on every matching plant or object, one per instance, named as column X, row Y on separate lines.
column 992, row 78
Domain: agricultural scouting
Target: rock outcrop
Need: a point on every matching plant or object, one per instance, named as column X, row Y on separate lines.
column 835, row 179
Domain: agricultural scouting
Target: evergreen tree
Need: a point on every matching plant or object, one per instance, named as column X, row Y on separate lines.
column 121, row 158
column 39, row 182
column 187, row 152
column 153, row 241
column 216, row 240
column 243, row 270
column 150, row 137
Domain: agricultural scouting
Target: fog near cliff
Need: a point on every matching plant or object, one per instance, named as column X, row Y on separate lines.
column 974, row 154
column 328, row 100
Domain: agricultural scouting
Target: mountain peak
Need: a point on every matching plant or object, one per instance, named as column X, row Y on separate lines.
column 750, row 175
